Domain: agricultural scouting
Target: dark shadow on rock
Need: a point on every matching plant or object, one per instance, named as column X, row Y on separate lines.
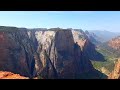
column 97, row 57
column 94, row 74
column 85, row 65
column 90, row 51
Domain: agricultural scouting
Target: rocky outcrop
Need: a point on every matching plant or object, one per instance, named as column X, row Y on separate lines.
column 60, row 55
column 9, row 75
column 51, row 54
column 88, row 48
column 113, row 46
column 116, row 72
column 115, row 43
column 80, row 37
column 17, row 52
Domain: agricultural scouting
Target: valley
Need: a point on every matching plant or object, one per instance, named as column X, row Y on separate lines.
column 56, row 53
column 110, row 51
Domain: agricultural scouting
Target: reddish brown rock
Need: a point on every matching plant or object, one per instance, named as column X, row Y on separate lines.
column 115, row 43
column 50, row 54
column 116, row 72
column 9, row 75
column 16, row 52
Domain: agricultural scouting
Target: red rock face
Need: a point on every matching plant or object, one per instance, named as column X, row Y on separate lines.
column 52, row 54
column 5, row 43
column 116, row 72
column 9, row 75
column 115, row 43
column 13, row 56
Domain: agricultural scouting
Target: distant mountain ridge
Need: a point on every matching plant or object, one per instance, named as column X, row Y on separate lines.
column 93, row 37
column 104, row 36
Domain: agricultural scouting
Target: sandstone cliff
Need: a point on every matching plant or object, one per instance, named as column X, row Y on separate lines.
column 115, row 43
column 16, row 52
column 88, row 48
column 116, row 72
column 50, row 54
column 60, row 55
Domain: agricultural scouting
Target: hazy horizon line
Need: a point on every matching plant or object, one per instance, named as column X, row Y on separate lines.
column 60, row 28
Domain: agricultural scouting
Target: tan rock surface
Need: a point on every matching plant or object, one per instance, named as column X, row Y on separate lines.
column 9, row 75
column 116, row 72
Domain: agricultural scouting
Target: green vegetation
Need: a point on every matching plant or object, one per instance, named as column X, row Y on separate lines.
column 109, row 56
column 105, row 49
column 109, row 65
column 39, row 77
column 92, row 75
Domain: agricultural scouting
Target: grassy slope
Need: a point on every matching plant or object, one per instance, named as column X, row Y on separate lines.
column 110, row 58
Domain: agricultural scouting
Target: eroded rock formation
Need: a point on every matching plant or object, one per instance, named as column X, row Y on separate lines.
column 115, row 43
column 52, row 54
column 116, row 72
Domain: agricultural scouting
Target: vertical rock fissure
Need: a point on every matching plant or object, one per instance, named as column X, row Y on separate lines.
column 28, row 57
column 54, row 70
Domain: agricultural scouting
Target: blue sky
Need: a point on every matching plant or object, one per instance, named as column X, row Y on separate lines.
column 86, row 20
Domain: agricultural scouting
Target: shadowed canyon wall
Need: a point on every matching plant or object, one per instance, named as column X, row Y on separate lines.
column 48, row 53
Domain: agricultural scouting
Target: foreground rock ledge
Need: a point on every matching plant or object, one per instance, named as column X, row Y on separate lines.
column 9, row 75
